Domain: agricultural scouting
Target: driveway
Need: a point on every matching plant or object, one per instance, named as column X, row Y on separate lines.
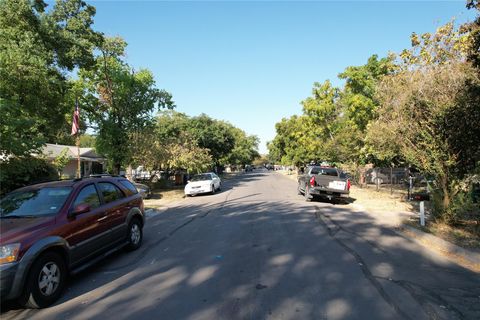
column 257, row 250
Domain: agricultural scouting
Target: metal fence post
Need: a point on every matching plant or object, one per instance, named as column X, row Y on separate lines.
column 422, row 213
column 391, row 180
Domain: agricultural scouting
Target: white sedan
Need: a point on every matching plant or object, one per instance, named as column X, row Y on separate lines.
column 203, row 183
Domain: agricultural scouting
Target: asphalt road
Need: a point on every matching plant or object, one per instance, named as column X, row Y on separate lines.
column 257, row 250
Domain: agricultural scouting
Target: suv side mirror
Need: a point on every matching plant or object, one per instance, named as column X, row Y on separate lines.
column 79, row 209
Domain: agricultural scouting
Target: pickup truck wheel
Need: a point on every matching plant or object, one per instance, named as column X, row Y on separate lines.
column 135, row 234
column 45, row 282
column 308, row 197
column 299, row 192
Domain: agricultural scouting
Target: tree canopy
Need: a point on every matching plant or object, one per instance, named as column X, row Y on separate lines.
column 178, row 141
column 37, row 49
column 419, row 107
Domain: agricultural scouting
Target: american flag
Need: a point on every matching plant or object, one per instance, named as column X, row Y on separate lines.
column 76, row 119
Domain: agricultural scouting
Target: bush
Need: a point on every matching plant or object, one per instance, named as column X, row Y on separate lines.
column 23, row 171
column 462, row 208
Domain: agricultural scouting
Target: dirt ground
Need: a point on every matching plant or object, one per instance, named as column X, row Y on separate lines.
column 394, row 210
column 381, row 200
column 161, row 198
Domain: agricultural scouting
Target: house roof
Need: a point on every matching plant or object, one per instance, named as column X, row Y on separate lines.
column 54, row 150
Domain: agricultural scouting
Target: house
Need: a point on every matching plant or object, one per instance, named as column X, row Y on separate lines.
column 90, row 161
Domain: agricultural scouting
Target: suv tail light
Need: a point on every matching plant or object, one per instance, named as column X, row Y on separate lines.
column 349, row 184
column 312, row 181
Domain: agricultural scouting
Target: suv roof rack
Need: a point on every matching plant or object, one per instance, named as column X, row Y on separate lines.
column 101, row 175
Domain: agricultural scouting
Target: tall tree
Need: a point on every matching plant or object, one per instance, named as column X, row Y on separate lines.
column 358, row 96
column 430, row 111
column 119, row 101
column 214, row 135
column 37, row 48
column 294, row 142
column 245, row 149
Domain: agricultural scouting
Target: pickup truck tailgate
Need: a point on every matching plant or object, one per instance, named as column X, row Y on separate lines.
column 331, row 183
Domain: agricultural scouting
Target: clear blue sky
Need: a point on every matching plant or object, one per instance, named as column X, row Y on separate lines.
column 251, row 63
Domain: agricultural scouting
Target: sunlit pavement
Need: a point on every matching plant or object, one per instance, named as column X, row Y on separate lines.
column 257, row 250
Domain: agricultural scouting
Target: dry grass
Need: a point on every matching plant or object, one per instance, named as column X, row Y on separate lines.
column 464, row 235
column 382, row 200
column 161, row 198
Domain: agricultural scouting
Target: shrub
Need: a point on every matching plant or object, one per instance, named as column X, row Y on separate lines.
column 23, row 171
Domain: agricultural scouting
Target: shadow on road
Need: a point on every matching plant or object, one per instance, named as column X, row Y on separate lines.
column 242, row 259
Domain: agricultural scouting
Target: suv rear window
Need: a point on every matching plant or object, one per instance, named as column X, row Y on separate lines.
column 110, row 192
column 89, row 196
column 34, row 203
column 324, row 171
column 130, row 187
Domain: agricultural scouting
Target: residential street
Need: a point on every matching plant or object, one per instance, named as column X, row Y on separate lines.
column 257, row 250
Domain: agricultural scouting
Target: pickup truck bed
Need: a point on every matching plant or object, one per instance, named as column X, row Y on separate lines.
column 325, row 182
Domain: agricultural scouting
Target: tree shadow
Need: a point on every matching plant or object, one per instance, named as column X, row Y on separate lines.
column 249, row 259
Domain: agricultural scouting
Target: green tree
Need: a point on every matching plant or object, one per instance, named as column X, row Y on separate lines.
column 186, row 154
column 61, row 161
column 175, row 152
column 214, row 135
column 119, row 101
column 430, row 112
column 225, row 143
column 37, row 48
column 245, row 149
column 294, row 142
column 473, row 30
column 87, row 141
column 358, row 96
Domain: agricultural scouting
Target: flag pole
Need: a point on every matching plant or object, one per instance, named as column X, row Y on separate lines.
column 76, row 133
column 78, row 155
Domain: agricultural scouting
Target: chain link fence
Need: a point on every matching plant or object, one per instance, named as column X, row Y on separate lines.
column 400, row 180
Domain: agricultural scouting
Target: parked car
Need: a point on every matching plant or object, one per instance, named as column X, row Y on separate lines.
column 143, row 189
column 141, row 174
column 203, row 183
column 326, row 182
column 53, row 229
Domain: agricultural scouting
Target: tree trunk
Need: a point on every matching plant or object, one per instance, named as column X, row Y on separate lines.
column 116, row 169
column 445, row 192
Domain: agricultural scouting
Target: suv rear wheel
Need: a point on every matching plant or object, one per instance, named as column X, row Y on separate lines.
column 135, row 234
column 45, row 282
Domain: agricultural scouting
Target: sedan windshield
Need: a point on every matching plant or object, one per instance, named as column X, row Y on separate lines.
column 201, row 177
column 34, row 203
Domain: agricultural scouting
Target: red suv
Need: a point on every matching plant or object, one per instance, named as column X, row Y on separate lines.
column 52, row 229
